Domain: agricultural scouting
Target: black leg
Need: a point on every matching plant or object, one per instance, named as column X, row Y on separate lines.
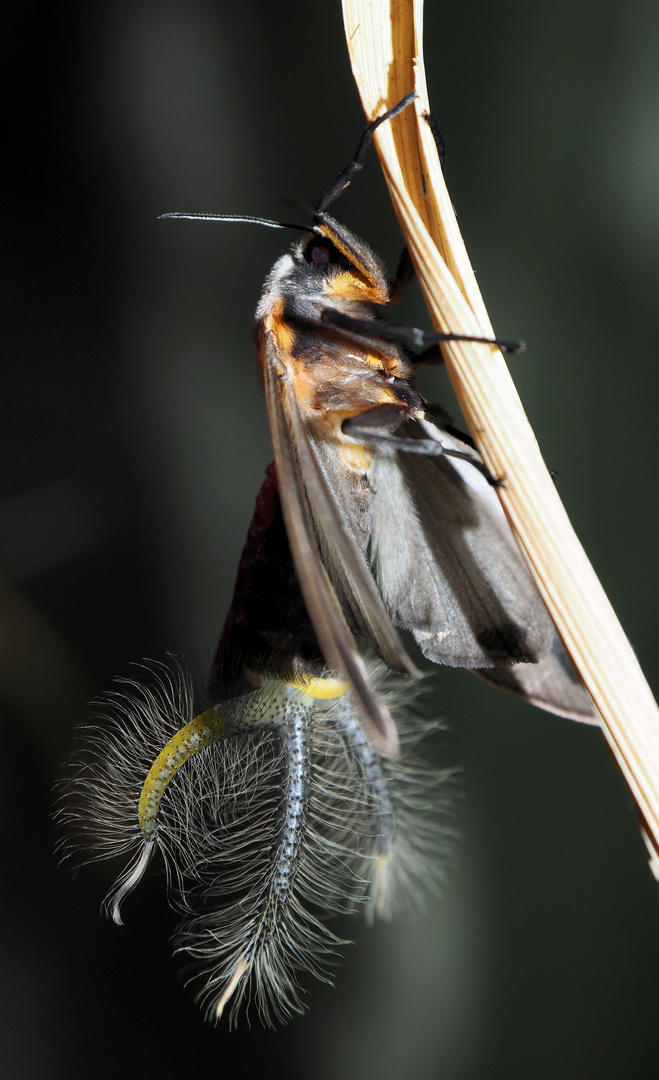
column 404, row 276
column 365, row 428
column 407, row 335
column 430, row 357
column 437, row 136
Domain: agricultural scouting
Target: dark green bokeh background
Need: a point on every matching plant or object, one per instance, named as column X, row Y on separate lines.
column 134, row 441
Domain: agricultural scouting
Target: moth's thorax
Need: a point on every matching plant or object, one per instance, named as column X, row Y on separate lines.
column 306, row 290
column 335, row 375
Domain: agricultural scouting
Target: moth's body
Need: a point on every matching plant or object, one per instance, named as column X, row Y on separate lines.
column 276, row 804
column 425, row 527
column 336, row 377
column 391, row 516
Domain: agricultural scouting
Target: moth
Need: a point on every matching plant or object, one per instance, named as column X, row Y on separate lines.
column 392, row 518
column 293, row 795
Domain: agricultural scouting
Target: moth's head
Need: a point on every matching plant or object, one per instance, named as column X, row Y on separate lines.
column 333, row 259
column 342, row 262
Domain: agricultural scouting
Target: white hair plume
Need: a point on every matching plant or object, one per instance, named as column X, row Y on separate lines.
column 272, row 812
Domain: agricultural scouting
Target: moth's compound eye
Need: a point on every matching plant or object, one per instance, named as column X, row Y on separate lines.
column 320, row 253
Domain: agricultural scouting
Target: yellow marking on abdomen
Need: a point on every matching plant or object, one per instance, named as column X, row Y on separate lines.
column 197, row 734
column 322, row 689
column 356, row 456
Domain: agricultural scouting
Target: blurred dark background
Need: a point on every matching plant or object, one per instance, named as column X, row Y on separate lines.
column 133, row 443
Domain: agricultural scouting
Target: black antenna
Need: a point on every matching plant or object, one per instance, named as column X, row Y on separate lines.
column 344, row 178
column 337, row 186
column 235, row 217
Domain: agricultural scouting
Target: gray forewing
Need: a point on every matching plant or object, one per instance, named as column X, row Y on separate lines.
column 448, row 567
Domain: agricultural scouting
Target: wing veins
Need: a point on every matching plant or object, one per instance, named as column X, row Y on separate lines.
column 329, row 622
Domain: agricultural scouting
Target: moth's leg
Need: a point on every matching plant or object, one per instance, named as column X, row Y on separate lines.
column 437, row 136
column 464, row 455
column 430, row 357
column 404, row 276
column 439, row 416
column 378, row 420
column 370, row 427
column 409, row 336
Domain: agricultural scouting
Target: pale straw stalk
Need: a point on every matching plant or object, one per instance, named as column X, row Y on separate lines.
column 385, row 46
